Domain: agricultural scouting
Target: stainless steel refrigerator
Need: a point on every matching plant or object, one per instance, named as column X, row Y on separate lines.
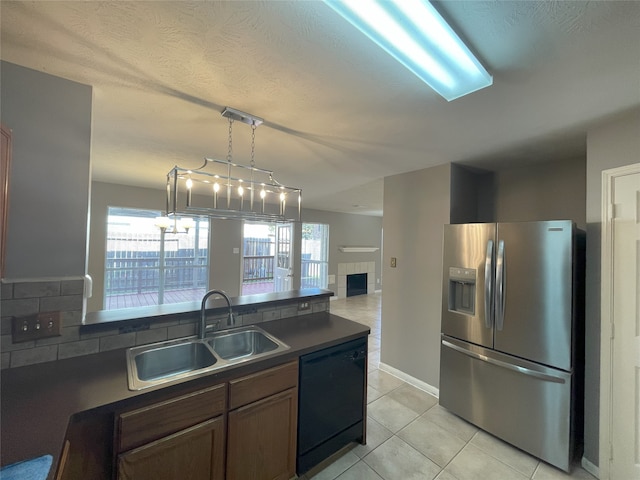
column 511, row 343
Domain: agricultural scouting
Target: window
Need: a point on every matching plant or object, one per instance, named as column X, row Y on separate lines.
column 315, row 255
column 146, row 265
column 258, row 258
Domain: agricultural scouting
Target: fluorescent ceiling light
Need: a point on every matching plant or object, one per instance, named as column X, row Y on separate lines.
column 414, row 33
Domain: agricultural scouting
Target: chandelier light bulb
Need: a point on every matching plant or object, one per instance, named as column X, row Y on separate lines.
column 189, row 185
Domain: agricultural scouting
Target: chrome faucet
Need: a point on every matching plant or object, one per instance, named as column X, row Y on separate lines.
column 230, row 320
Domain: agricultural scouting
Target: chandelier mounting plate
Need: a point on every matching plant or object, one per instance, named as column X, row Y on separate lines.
column 243, row 117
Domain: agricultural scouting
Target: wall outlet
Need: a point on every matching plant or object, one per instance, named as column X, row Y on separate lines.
column 34, row 327
column 304, row 306
column 393, row 262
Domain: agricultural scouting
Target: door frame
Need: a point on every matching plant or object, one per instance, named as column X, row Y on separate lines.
column 277, row 270
column 606, row 313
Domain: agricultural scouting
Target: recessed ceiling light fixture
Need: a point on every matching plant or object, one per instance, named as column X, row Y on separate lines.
column 416, row 35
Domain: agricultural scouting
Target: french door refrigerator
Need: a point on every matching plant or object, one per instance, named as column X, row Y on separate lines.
column 511, row 343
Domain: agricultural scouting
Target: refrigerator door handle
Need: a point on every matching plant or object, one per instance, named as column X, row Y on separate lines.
column 488, row 286
column 500, row 286
column 508, row 366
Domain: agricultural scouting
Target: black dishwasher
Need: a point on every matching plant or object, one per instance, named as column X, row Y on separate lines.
column 331, row 401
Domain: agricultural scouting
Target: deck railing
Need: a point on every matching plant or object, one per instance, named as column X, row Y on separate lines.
column 140, row 275
column 257, row 268
column 313, row 274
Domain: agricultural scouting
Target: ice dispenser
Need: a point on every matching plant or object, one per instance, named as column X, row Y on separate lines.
column 462, row 290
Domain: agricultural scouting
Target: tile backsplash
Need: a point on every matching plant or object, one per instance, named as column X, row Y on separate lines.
column 21, row 299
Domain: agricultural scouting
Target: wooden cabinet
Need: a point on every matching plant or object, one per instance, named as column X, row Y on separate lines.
column 196, row 453
column 183, row 437
column 197, row 436
column 261, row 436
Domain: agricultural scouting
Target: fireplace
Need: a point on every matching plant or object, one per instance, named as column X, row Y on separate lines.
column 356, row 284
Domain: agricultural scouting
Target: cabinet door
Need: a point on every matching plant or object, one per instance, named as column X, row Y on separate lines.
column 196, row 453
column 152, row 422
column 262, row 439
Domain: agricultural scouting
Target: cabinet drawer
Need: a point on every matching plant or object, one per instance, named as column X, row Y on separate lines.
column 262, row 384
column 149, row 423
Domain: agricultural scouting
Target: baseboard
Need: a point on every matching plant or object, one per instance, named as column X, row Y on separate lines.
column 431, row 390
column 590, row 467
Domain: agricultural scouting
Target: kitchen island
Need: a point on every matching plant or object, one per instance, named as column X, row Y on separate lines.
column 69, row 404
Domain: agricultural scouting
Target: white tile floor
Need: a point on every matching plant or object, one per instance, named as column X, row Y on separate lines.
column 410, row 436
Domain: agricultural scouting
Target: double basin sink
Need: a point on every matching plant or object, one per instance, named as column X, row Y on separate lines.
column 151, row 365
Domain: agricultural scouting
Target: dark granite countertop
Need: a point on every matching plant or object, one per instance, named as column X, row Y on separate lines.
column 38, row 401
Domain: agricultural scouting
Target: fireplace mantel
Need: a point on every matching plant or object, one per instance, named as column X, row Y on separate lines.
column 354, row 249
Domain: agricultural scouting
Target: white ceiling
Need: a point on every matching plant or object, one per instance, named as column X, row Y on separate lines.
column 340, row 114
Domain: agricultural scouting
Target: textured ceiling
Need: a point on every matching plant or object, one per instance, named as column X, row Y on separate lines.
column 340, row 114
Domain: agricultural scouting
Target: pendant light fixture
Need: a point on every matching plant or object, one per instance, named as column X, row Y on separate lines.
column 225, row 189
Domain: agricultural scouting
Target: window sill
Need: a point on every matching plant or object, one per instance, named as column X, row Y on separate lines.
column 189, row 310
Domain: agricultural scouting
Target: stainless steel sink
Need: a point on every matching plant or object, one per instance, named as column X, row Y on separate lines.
column 173, row 360
column 245, row 343
column 151, row 365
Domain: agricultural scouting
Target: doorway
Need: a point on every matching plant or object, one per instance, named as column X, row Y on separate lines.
column 620, row 325
column 283, row 270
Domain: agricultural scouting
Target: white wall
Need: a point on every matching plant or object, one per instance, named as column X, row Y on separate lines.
column 614, row 144
column 49, row 182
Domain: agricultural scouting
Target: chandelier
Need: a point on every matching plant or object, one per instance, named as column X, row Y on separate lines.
column 225, row 189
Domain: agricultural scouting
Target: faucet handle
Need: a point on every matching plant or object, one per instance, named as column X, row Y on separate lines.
column 213, row 326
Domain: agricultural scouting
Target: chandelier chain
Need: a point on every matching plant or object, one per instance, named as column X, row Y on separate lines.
column 230, row 149
column 253, row 145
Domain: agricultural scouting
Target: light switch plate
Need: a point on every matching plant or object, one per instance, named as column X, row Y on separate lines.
column 34, row 327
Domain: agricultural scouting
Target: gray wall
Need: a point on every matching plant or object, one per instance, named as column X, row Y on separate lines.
column 226, row 266
column 612, row 145
column 471, row 199
column 543, row 191
column 416, row 206
column 225, row 271
column 49, row 183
